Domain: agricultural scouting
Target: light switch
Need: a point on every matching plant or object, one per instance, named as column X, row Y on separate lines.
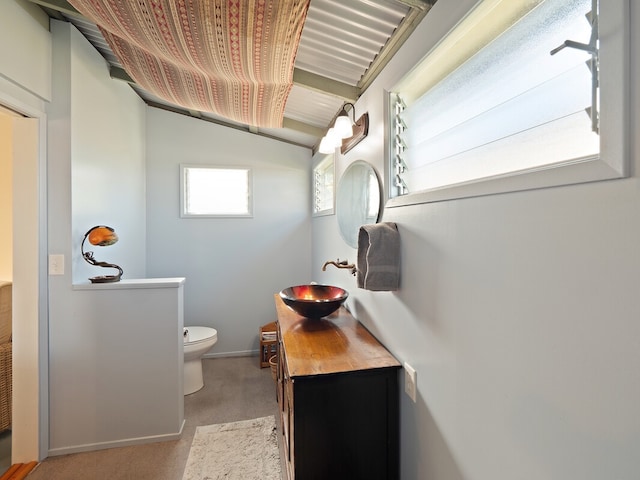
column 56, row 264
column 410, row 381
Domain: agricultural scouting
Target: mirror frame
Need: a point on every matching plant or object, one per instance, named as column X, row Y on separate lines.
column 349, row 214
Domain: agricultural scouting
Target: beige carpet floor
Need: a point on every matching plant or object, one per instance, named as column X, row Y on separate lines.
column 235, row 389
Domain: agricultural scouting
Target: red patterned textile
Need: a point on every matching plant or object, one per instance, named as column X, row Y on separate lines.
column 233, row 58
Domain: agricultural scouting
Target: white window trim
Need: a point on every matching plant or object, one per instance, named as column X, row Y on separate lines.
column 319, row 162
column 614, row 113
column 184, row 214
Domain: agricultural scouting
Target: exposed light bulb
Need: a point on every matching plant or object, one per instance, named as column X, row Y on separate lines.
column 333, row 137
column 343, row 126
column 326, row 145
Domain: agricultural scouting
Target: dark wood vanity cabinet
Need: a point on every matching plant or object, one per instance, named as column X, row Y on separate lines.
column 338, row 399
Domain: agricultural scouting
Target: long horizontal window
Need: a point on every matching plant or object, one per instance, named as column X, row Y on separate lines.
column 515, row 89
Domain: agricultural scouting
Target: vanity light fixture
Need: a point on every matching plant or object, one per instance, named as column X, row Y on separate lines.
column 343, row 124
column 342, row 128
column 345, row 132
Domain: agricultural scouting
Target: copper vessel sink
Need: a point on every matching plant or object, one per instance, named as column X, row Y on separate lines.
column 314, row 301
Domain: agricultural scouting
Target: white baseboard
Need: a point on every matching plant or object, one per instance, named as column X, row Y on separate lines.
column 89, row 447
column 239, row 353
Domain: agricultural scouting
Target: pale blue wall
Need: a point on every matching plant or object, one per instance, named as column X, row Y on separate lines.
column 25, row 49
column 518, row 311
column 233, row 266
column 25, row 86
column 95, row 163
column 96, row 158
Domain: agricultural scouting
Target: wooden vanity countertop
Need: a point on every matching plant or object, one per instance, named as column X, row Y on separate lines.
column 333, row 344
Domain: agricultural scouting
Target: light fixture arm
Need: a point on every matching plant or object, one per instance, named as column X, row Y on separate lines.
column 353, row 110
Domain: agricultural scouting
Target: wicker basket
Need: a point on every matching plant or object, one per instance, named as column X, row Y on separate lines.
column 268, row 343
column 6, row 375
column 273, row 363
column 5, row 386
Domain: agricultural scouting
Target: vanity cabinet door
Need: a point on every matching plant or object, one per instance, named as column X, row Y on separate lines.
column 346, row 426
column 285, row 402
column 290, row 435
column 280, row 376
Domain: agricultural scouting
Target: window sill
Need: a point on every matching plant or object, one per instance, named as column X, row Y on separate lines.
column 570, row 173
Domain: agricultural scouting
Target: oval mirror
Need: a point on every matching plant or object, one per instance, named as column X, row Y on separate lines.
column 357, row 200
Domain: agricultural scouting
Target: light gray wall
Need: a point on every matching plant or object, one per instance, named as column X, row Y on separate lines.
column 97, row 158
column 25, row 85
column 125, row 390
column 518, row 311
column 26, row 64
column 233, row 266
column 95, row 175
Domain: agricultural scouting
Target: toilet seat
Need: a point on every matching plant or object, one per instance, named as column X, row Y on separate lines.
column 199, row 335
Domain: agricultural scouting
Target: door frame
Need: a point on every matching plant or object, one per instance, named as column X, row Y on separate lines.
column 30, row 441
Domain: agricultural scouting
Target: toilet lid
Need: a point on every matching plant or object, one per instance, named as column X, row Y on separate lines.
column 199, row 334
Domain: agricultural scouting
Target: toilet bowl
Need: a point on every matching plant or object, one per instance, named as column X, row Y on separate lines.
column 197, row 341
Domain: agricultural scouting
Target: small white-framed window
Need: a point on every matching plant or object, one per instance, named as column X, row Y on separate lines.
column 324, row 185
column 520, row 94
column 215, row 191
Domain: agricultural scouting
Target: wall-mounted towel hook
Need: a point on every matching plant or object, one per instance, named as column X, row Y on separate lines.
column 340, row 264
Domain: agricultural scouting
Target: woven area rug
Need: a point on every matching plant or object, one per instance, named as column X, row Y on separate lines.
column 246, row 450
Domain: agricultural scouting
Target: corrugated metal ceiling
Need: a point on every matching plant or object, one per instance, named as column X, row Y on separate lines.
column 343, row 47
column 340, row 40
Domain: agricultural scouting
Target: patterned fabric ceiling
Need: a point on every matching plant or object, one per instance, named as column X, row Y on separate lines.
column 233, row 58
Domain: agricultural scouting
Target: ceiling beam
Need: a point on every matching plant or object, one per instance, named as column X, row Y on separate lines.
column 59, row 6
column 302, row 127
column 118, row 73
column 300, row 78
column 420, row 4
column 318, row 83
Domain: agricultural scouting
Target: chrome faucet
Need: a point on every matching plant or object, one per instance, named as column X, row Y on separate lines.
column 340, row 264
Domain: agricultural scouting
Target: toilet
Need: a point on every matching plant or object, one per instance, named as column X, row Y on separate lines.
column 197, row 341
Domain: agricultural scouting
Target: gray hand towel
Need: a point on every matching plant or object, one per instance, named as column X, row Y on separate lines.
column 379, row 257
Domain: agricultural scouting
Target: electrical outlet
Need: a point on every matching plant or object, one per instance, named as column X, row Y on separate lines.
column 56, row 264
column 410, row 381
